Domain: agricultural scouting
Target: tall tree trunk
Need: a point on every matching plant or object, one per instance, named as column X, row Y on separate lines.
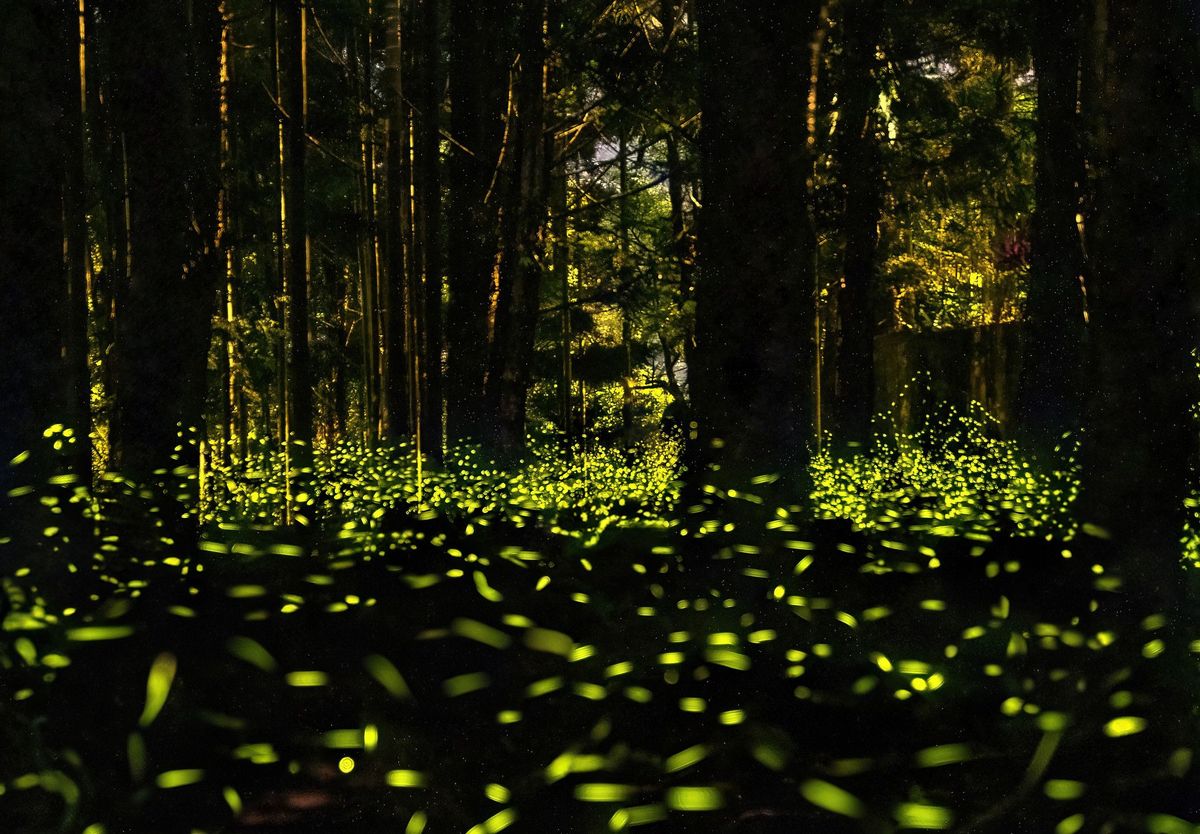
column 1141, row 437
column 683, row 245
column 522, row 229
column 280, row 263
column 165, row 106
column 300, row 383
column 33, row 289
column 396, row 328
column 478, row 72
column 750, row 384
column 683, row 242
column 339, row 280
column 562, row 275
column 1054, row 312
column 557, row 162
column 625, row 271
column 369, row 246
column 229, row 374
column 429, row 163
column 110, row 283
column 78, row 251
column 858, row 152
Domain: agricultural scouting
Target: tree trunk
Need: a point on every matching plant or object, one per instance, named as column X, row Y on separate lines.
column 300, row 384
column 396, row 231
column 478, row 73
column 1141, row 438
column 109, row 286
column 429, row 162
column 166, row 107
column 625, row 271
column 861, row 177
column 280, row 263
column 562, row 273
column 33, row 288
column 522, row 230
column 683, row 239
column 753, row 356
column 228, row 358
column 369, row 247
column 683, row 244
column 79, row 257
column 1054, row 310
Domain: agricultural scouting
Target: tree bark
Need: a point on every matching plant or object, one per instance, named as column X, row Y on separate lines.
column 368, row 266
column 1050, row 396
column 300, row 383
column 683, row 243
column 228, row 200
column 166, row 107
column 33, row 287
column 750, row 384
column 522, row 233
column 862, row 184
column 1141, row 437
column 398, row 360
column 478, row 71
column 625, row 280
column 428, row 159
column 561, row 255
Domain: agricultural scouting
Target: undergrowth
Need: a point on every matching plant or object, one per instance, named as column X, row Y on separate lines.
column 952, row 476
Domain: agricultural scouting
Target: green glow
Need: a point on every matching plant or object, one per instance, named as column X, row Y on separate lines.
column 927, row 817
column 1126, row 725
column 178, row 778
column 307, row 679
column 158, row 686
column 405, row 779
column 832, row 798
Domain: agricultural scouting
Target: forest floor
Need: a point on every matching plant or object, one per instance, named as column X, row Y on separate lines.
column 936, row 648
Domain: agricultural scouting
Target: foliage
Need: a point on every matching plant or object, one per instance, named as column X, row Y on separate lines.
column 951, row 477
column 577, row 490
column 960, row 163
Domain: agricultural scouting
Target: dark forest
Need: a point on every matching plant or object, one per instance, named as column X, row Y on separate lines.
column 568, row 416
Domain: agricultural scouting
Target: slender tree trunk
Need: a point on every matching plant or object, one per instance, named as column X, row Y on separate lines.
column 300, row 382
column 339, row 279
column 683, row 244
column 477, row 74
column 1141, row 437
column 626, row 283
column 670, row 360
column 750, row 383
column 523, row 227
column 816, row 60
column 862, row 184
column 397, row 358
column 78, row 251
column 370, row 249
column 562, row 270
column 1054, row 312
column 165, row 103
column 282, row 429
column 429, row 163
column 109, row 287
column 229, row 384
